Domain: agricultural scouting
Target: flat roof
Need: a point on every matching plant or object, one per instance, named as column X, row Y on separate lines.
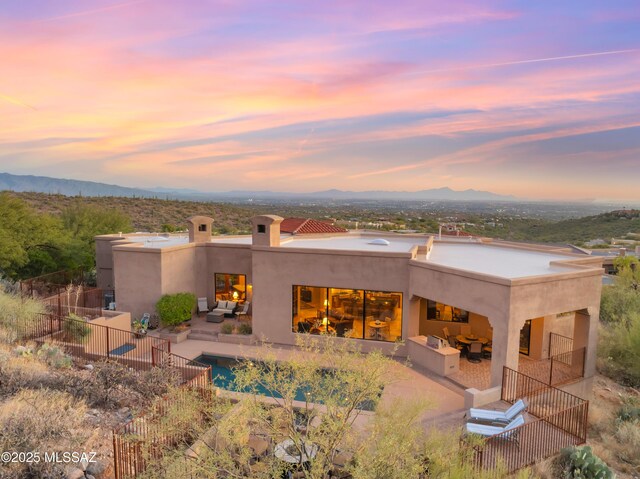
column 505, row 262
column 157, row 241
column 245, row 239
column 352, row 242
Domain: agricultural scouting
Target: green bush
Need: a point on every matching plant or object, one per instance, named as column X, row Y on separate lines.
column 619, row 351
column 227, row 328
column 582, row 463
column 76, row 329
column 54, row 356
column 244, row 328
column 629, row 411
column 175, row 309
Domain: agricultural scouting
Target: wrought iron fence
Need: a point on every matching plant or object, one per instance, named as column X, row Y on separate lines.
column 93, row 342
column 559, row 344
column 143, row 437
column 559, row 420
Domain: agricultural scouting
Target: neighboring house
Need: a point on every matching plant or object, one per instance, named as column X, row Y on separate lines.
column 371, row 288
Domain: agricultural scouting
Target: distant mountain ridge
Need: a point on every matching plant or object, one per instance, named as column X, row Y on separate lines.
column 67, row 187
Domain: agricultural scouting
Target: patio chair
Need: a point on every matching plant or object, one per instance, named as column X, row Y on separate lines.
column 454, row 343
column 144, row 323
column 203, row 306
column 243, row 313
column 446, row 332
column 518, row 407
column 487, row 350
column 475, row 352
column 487, row 430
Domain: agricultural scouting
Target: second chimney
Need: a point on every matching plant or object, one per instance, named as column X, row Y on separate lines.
column 266, row 230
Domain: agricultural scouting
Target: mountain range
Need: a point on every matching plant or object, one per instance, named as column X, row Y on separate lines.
column 68, row 187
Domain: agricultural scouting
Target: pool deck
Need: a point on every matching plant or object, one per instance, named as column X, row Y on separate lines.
column 446, row 400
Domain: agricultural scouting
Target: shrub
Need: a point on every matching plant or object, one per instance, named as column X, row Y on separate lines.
column 111, row 385
column 619, row 351
column 18, row 372
column 54, row 356
column 244, row 328
column 629, row 411
column 227, row 328
column 175, row 309
column 582, row 463
column 16, row 314
column 40, row 420
column 76, row 329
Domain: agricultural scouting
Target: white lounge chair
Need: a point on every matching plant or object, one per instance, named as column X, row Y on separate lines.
column 486, row 430
column 488, row 415
column 203, row 306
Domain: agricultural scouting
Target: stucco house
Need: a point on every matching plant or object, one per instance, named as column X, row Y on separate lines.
column 372, row 288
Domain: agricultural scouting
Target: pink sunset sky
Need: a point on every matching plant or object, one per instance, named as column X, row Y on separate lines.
column 534, row 99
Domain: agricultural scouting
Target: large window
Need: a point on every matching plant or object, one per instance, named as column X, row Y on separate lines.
column 443, row 312
column 231, row 287
column 349, row 313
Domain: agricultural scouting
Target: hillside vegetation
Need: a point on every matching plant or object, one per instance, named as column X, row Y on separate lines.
column 578, row 230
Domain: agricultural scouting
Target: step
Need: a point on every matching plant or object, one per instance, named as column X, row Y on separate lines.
column 203, row 331
column 203, row 337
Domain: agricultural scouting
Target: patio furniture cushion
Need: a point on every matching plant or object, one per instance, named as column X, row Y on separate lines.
column 125, row 348
column 485, row 430
column 203, row 307
column 518, row 407
column 231, row 305
column 221, row 305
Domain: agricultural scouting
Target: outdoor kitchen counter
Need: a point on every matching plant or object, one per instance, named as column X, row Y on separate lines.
column 443, row 361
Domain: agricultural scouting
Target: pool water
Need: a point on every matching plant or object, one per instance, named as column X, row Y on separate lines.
column 223, row 376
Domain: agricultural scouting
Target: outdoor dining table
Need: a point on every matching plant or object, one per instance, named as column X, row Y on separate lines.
column 281, row 452
column 470, row 339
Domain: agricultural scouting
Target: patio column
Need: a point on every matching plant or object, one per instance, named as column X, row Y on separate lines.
column 506, row 347
column 585, row 335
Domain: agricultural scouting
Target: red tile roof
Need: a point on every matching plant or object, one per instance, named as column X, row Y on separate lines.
column 298, row 226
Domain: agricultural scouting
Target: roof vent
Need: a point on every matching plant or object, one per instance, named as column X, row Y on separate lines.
column 380, row 241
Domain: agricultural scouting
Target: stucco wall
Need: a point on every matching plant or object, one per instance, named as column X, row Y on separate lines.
column 138, row 277
column 276, row 270
column 179, row 269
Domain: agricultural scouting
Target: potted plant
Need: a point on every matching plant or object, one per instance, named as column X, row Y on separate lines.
column 137, row 328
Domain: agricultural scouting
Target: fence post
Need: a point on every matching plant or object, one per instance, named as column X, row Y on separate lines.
column 551, row 372
column 504, row 381
column 108, row 348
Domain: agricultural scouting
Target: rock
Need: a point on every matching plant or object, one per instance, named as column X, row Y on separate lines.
column 75, row 473
column 89, row 367
column 96, row 468
column 89, row 476
column 94, row 412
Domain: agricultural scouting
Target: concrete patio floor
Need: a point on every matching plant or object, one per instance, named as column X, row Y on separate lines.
column 478, row 375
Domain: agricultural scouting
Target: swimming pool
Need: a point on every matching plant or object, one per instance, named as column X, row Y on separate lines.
column 223, row 376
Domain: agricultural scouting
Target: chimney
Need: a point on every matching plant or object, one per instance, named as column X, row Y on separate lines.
column 199, row 229
column 266, row 230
